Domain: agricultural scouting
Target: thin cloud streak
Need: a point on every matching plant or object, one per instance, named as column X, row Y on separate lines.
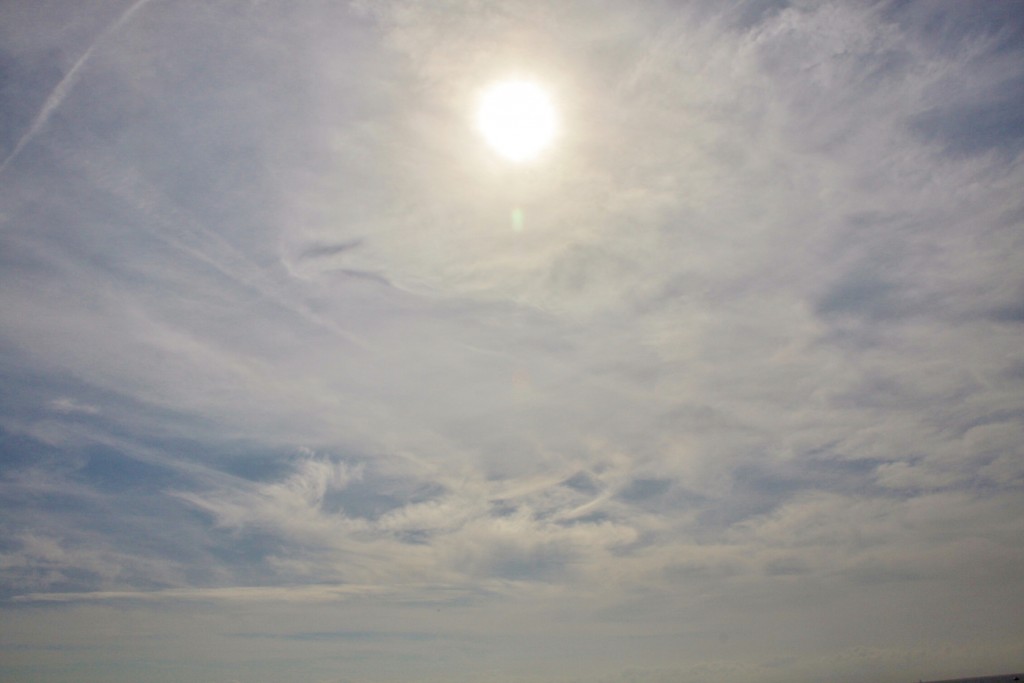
column 60, row 91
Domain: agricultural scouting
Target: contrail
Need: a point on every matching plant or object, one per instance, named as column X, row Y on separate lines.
column 61, row 91
column 183, row 232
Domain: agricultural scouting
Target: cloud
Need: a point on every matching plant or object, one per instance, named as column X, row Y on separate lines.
column 301, row 594
column 741, row 395
column 70, row 405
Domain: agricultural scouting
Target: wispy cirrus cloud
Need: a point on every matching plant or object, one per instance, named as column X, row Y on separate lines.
column 728, row 383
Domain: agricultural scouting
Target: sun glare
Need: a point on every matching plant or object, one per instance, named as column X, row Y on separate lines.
column 517, row 119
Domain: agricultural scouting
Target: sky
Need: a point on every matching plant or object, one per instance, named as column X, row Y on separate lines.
column 303, row 383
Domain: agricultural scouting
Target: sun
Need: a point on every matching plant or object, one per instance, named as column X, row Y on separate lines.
column 517, row 119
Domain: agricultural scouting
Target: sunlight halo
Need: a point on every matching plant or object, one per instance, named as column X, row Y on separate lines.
column 517, row 119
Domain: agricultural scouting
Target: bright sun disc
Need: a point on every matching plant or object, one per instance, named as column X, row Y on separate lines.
column 517, row 119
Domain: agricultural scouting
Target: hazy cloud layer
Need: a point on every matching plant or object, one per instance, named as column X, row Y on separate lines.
column 302, row 383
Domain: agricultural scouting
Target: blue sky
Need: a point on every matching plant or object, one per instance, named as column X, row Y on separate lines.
column 303, row 383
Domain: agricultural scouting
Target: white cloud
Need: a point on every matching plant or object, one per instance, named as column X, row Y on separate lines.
column 752, row 361
column 70, row 405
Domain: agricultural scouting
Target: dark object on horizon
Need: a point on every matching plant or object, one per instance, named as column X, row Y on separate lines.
column 1005, row 678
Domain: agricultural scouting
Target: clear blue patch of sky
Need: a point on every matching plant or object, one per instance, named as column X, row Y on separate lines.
column 950, row 23
column 994, row 122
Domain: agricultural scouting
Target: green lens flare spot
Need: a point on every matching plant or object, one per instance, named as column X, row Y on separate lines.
column 517, row 219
